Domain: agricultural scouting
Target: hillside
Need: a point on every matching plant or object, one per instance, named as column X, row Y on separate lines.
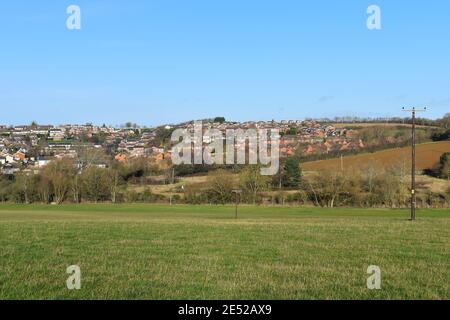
column 428, row 155
column 377, row 124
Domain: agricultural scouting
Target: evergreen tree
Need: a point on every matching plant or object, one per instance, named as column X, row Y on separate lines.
column 292, row 173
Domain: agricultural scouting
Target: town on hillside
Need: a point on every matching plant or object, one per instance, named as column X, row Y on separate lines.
column 32, row 147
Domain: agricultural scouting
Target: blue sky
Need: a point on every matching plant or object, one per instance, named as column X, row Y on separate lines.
column 163, row 61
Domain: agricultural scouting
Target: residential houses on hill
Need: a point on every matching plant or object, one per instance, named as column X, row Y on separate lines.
column 34, row 146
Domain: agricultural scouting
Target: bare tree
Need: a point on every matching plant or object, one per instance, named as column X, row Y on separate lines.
column 220, row 185
column 252, row 181
column 327, row 186
column 60, row 173
column 114, row 180
column 88, row 156
column 95, row 184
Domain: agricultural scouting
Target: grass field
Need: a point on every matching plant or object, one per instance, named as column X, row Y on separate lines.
column 201, row 252
column 427, row 156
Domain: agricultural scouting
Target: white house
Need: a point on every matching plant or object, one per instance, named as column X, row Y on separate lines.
column 42, row 162
column 9, row 158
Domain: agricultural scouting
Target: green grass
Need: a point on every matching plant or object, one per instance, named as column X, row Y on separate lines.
column 201, row 252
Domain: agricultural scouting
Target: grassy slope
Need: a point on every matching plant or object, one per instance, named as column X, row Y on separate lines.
column 162, row 252
column 427, row 154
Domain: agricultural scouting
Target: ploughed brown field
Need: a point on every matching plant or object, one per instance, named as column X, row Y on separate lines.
column 427, row 157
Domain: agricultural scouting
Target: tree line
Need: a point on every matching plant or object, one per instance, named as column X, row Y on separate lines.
column 370, row 186
column 66, row 180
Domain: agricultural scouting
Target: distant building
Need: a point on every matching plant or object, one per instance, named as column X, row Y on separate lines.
column 43, row 161
column 9, row 169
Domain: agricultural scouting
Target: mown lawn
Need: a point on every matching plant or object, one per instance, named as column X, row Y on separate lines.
column 202, row 252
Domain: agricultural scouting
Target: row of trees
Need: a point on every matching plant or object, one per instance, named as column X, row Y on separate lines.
column 66, row 180
column 80, row 179
column 442, row 122
column 369, row 187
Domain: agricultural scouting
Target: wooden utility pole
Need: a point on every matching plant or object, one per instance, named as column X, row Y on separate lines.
column 173, row 175
column 413, row 160
column 237, row 192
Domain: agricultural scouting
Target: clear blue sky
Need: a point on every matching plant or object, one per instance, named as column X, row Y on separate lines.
column 161, row 61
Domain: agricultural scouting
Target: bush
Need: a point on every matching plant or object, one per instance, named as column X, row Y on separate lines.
column 444, row 166
column 95, row 184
